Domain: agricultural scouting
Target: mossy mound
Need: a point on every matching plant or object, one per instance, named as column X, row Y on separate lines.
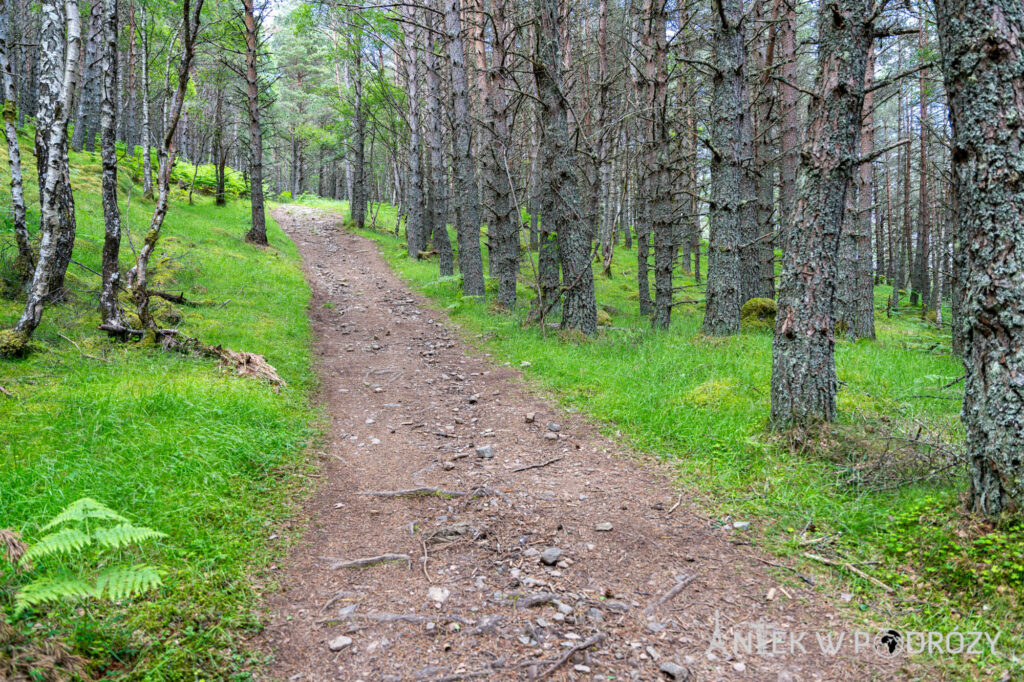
column 758, row 314
column 574, row 336
column 13, row 344
column 603, row 317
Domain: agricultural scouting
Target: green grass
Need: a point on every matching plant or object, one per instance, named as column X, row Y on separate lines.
column 703, row 403
column 172, row 442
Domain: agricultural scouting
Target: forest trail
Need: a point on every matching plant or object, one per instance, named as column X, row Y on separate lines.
column 411, row 406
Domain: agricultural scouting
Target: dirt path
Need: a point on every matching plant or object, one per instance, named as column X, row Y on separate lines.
column 411, row 407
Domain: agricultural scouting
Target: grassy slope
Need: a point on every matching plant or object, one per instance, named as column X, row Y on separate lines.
column 167, row 440
column 704, row 403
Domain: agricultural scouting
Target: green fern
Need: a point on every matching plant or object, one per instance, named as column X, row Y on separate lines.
column 85, row 508
column 51, row 590
column 90, row 530
column 64, row 541
column 122, row 582
column 125, row 534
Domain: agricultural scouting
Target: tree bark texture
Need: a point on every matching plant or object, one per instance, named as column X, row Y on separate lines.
column 804, row 380
column 982, row 43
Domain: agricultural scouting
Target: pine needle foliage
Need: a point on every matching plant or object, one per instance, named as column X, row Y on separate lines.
column 80, row 558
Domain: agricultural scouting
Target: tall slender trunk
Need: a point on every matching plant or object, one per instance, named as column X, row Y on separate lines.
column 25, row 261
column 60, row 26
column 921, row 284
column 983, row 64
column 790, row 138
column 218, row 150
column 729, row 278
column 357, row 207
column 467, row 212
column 110, row 311
column 416, row 226
column 138, row 276
column 438, row 185
column 84, row 134
column 257, row 233
column 147, row 163
column 804, row 380
column 604, row 137
column 863, row 325
column 662, row 224
column 561, row 212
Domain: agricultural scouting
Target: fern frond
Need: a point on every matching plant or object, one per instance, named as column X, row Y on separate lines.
column 51, row 590
column 122, row 582
column 82, row 509
column 64, row 541
column 125, row 534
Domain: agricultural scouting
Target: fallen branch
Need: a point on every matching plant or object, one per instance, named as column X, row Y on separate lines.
column 569, row 653
column 84, row 354
column 415, row 492
column 173, row 298
column 537, row 466
column 6, row 392
column 533, row 599
column 372, row 560
column 850, row 567
column 245, row 364
column 671, row 594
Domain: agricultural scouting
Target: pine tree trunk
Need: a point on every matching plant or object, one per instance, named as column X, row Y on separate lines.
column 258, row 222
column 863, row 325
column 803, row 364
column 438, row 184
column 729, row 278
column 467, row 213
column 415, row 227
column 561, row 212
column 982, row 43
column 502, row 213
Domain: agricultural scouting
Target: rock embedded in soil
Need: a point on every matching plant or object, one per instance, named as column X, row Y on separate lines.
column 554, row 427
column 438, row 594
column 604, row 526
column 485, row 452
column 551, row 436
column 550, row 556
column 339, row 643
column 673, row 671
column 531, row 417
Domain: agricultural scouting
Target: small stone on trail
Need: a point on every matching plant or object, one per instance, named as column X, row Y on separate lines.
column 603, row 526
column 673, row 671
column 554, row 427
column 485, row 452
column 551, row 436
column 448, row 466
column 580, row 668
column 339, row 643
column 531, row 417
column 739, row 667
column 438, row 594
column 741, row 525
column 473, row 399
column 550, row 556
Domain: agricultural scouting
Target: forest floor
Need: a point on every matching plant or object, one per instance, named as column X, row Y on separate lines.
column 496, row 478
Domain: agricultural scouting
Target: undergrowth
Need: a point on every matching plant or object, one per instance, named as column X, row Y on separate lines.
column 171, row 442
column 881, row 490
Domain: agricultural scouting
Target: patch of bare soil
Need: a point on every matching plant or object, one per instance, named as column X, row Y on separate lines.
column 464, row 528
